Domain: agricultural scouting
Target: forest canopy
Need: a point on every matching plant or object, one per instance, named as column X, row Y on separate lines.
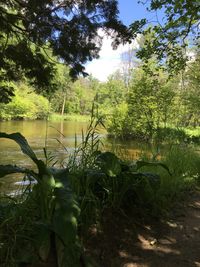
column 69, row 29
column 176, row 28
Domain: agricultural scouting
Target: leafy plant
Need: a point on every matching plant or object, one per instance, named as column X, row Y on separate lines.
column 26, row 104
column 56, row 206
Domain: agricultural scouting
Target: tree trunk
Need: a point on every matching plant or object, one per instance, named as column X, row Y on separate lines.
column 63, row 106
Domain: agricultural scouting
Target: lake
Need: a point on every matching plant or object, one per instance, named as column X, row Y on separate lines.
column 54, row 136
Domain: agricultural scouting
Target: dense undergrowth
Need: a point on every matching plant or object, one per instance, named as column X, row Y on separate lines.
column 51, row 217
column 161, row 135
column 26, row 104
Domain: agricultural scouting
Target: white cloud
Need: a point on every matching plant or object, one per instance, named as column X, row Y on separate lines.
column 109, row 60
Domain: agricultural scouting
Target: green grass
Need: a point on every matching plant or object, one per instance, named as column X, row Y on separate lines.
column 184, row 165
column 193, row 131
column 69, row 117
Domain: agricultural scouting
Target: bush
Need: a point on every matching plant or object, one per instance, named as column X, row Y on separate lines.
column 26, row 104
column 167, row 134
column 117, row 125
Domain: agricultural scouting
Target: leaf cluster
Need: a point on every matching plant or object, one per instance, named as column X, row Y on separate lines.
column 54, row 209
column 172, row 35
column 69, row 29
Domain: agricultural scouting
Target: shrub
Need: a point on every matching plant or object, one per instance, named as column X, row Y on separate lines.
column 117, row 125
column 25, row 105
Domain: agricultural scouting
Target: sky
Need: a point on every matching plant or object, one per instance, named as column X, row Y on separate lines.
column 130, row 10
column 109, row 60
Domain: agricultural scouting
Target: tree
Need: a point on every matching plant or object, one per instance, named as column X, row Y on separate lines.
column 64, row 83
column 191, row 93
column 111, row 93
column 178, row 29
column 149, row 105
column 128, row 62
column 26, row 104
column 29, row 28
column 74, row 97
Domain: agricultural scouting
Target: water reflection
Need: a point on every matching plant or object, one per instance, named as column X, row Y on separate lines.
column 39, row 134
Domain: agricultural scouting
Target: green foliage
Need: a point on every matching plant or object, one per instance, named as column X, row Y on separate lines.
column 110, row 94
column 30, row 33
column 182, row 160
column 69, row 117
column 191, row 93
column 118, row 122
column 149, row 104
column 182, row 175
column 76, row 97
column 109, row 164
column 6, row 91
column 81, row 97
column 26, row 104
column 158, row 106
column 151, row 186
column 102, row 180
column 54, row 207
column 172, row 36
column 170, row 135
column 150, row 100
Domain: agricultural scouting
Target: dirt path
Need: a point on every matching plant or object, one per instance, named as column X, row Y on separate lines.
column 171, row 243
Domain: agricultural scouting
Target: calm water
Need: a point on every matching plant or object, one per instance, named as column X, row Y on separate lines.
column 35, row 133
column 57, row 133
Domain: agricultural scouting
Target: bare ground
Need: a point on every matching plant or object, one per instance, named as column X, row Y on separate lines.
column 173, row 242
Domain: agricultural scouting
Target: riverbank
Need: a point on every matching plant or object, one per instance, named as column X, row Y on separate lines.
column 48, row 116
column 69, row 117
column 189, row 135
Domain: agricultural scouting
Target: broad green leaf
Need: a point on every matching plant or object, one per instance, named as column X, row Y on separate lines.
column 65, row 215
column 65, row 225
column 153, row 179
column 141, row 164
column 66, row 210
column 64, row 220
column 61, row 177
column 109, row 163
column 48, row 181
column 26, row 149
